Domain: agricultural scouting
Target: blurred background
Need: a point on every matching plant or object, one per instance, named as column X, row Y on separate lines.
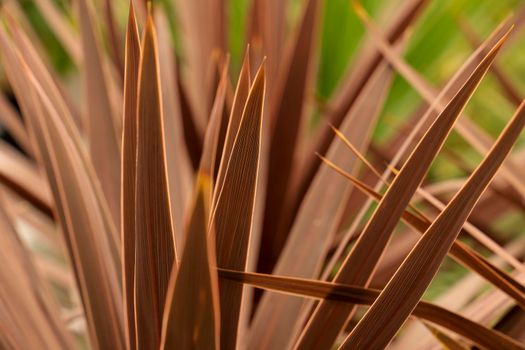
column 440, row 41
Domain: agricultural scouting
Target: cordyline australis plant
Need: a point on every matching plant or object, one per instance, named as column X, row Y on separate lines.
column 144, row 210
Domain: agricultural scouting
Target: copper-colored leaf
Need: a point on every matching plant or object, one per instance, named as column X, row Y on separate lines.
column 179, row 168
column 29, row 313
column 128, row 176
column 191, row 317
column 459, row 251
column 200, row 43
column 266, row 34
column 421, row 222
column 343, row 293
column 285, row 115
column 112, row 32
column 103, row 122
column 473, row 134
column 406, row 287
column 68, row 120
column 473, row 231
column 211, row 138
column 31, row 49
column 22, row 176
column 155, row 250
column 87, row 232
column 366, row 64
column 234, row 207
column 316, row 222
column 98, row 273
column 239, row 101
column 365, row 254
column 46, row 76
column 476, row 136
column 232, row 127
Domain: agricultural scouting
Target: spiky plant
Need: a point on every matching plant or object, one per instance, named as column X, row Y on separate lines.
column 148, row 198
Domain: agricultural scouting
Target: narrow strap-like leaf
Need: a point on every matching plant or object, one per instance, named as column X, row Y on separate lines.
column 233, row 213
column 88, row 236
column 343, row 293
column 30, row 317
column 128, row 176
column 404, row 145
column 112, row 32
column 180, row 171
column 200, row 42
column 285, row 115
column 155, row 250
column 239, row 101
column 102, row 120
column 357, row 269
column 211, row 138
column 367, row 63
column 278, row 316
column 459, row 251
column 63, row 110
column 476, row 136
column 266, row 34
column 423, row 222
column 99, row 272
column 191, row 316
column 406, row 287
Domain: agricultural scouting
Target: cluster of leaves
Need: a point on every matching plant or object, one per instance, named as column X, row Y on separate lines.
column 152, row 206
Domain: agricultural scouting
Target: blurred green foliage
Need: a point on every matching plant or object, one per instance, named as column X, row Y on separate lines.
column 57, row 54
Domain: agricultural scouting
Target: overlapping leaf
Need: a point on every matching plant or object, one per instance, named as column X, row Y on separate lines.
column 191, row 317
column 103, row 122
column 316, row 221
column 406, row 287
column 354, row 295
column 234, row 207
column 155, row 248
column 364, row 256
column 87, row 233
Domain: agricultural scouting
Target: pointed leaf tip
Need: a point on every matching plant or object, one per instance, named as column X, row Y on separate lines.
column 261, row 73
column 191, row 317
